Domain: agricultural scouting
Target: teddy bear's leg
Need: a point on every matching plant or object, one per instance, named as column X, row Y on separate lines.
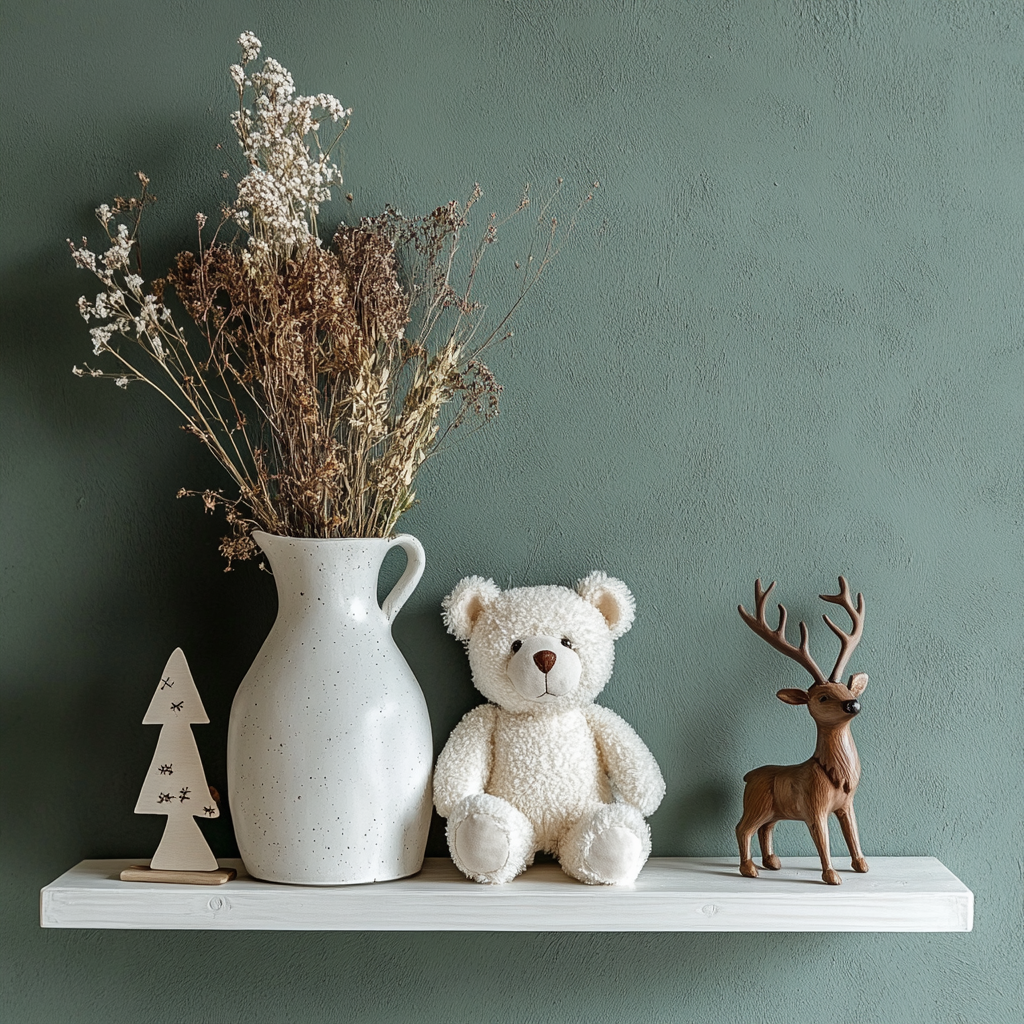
column 489, row 839
column 608, row 846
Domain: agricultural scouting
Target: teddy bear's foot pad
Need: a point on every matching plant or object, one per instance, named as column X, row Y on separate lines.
column 482, row 844
column 615, row 856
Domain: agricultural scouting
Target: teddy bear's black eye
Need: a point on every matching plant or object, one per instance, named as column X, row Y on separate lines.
column 516, row 644
column 566, row 642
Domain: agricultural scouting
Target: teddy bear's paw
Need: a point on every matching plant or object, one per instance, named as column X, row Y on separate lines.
column 616, row 856
column 607, row 847
column 482, row 845
column 490, row 841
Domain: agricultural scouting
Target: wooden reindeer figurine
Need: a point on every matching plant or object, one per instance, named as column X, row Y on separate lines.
column 825, row 783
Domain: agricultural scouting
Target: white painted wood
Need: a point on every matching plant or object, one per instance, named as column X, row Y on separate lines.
column 672, row 894
column 175, row 784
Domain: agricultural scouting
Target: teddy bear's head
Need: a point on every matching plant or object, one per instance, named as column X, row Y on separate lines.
column 532, row 648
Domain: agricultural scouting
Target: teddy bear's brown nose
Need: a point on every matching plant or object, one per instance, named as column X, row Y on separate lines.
column 545, row 661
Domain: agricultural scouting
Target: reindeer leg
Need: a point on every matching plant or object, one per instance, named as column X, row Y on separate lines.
column 744, row 831
column 848, row 823
column 764, row 837
column 754, row 816
column 757, row 810
column 819, row 833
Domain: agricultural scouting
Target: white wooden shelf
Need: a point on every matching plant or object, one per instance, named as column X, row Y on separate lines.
column 672, row 894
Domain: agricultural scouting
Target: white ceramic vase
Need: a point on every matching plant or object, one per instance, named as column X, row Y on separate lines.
column 329, row 744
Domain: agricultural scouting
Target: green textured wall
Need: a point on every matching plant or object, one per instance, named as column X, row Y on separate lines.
column 787, row 342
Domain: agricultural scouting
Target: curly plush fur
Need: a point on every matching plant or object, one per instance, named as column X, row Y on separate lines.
column 542, row 767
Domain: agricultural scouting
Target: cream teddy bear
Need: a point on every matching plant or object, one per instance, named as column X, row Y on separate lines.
column 541, row 767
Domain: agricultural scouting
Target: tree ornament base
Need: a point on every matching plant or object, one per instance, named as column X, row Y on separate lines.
column 143, row 873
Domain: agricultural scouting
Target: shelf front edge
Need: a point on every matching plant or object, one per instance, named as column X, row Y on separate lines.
column 672, row 895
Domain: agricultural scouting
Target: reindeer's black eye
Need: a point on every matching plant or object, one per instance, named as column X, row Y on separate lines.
column 566, row 642
column 821, row 700
column 516, row 644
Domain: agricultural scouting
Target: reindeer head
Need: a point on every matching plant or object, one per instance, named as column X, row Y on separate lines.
column 830, row 701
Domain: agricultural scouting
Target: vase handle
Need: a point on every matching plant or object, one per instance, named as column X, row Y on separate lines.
column 402, row 590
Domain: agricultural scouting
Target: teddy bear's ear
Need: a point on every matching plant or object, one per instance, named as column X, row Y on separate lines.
column 462, row 607
column 611, row 597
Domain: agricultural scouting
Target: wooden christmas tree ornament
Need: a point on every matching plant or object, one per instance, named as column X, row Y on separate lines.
column 176, row 786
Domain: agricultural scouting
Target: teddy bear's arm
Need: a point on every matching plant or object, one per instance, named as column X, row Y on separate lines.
column 630, row 765
column 465, row 763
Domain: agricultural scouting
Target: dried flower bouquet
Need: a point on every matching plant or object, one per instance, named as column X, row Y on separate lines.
column 321, row 376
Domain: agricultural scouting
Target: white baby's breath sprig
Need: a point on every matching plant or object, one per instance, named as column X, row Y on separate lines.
column 250, row 45
column 290, row 173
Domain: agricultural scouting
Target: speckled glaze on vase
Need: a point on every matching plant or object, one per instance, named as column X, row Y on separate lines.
column 329, row 742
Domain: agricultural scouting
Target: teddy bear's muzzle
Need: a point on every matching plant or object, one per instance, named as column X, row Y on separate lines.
column 538, row 672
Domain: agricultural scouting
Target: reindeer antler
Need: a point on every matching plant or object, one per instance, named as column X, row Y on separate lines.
column 851, row 639
column 777, row 637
